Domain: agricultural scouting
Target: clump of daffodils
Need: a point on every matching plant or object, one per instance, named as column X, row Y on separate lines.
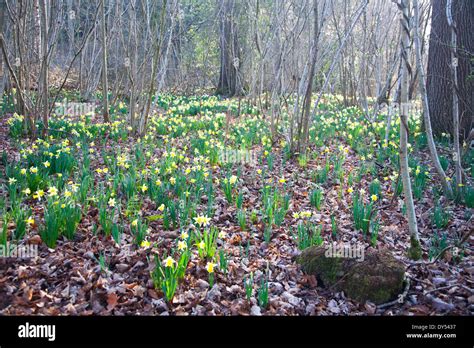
column 302, row 215
column 202, row 220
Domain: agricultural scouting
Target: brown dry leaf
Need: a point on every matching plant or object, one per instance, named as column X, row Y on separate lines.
column 310, row 280
column 35, row 240
column 112, row 300
column 28, row 294
column 153, row 294
column 235, row 239
column 22, row 272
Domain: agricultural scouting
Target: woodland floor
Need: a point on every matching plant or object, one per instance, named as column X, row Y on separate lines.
column 68, row 280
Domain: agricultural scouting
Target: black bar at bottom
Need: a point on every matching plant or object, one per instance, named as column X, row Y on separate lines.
column 172, row 331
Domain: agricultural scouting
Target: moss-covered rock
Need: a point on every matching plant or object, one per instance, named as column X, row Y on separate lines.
column 378, row 277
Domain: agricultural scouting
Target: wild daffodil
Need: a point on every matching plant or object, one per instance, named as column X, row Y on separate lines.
column 182, row 245
column 38, row 194
column 52, row 191
column 145, row 244
column 210, row 267
column 169, row 262
column 202, row 220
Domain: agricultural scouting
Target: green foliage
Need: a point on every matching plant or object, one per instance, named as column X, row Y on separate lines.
column 333, row 226
column 139, row 229
column 275, row 206
column 302, row 160
column 375, row 188
column 440, row 217
column 241, row 218
column 316, row 198
column 419, row 184
column 228, row 187
column 183, row 262
column 308, row 235
column 438, row 243
column 165, row 278
column 362, row 214
column 117, row 231
column 467, row 193
column 375, row 224
column 72, row 214
column 322, row 174
column 4, row 234
column 20, row 216
column 253, row 217
column 248, row 285
column 267, row 233
column 207, row 243
column 52, row 226
column 223, row 261
column 444, row 162
column 263, row 293
column 239, row 200
column 103, row 264
column 16, row 126
column 61, row 218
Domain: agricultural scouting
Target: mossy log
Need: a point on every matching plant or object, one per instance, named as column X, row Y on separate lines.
column 379, row 277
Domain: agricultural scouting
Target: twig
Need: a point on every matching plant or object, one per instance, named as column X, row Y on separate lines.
column 400, row 299
column 441, row 288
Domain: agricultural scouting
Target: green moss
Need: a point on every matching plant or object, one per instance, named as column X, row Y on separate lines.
column 379, row 278
column 414, row 251
column 327, row 269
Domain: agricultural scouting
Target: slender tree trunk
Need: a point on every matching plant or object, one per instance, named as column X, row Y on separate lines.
column 454, row 82
column 304, row 129
column 105, row 84
column 44, row 65
column 154, row 69
column 3, row 73
column 415, row 249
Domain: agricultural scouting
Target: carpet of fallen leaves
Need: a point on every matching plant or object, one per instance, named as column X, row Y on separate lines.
column 69, row 281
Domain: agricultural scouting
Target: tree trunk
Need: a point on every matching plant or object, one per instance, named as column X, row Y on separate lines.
column 3, row 73
column 426, row 108
column 44, row 65
column 439, row 80
column 229, row 51
column 105, row 84
column 415, row 249
column 304, row 128
column 455, row 85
